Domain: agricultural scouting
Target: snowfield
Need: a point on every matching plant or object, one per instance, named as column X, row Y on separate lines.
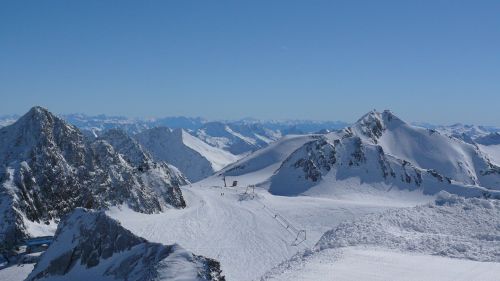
column 381, row 200
column 241, row 231
column 16, row 272
column 446, row 239
column 378, row 264
column 193, row 157
column 90, row 245
column 493, row 151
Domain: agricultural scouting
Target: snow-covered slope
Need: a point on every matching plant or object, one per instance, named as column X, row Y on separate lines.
column 6, row 120
column 138, row 156
column 384, row 152
column 472, row 131
column 379, row 264
column 89, row 245
column 48, row 169
column 237, row 138
column 241, row 230
column 190, row 155
column 259, row 166
column 427, row 149
column 490, row 139
column 452, row 227
column 490, row 145
column 101, row 123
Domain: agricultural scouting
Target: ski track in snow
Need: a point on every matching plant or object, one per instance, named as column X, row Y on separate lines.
column 242, row 234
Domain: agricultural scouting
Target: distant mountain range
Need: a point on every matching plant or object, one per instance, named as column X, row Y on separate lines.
column 51, row 169
column 98, row 123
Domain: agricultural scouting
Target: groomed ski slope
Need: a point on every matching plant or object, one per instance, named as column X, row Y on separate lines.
column 379, row 264
column 451, row 239
column 241, row 233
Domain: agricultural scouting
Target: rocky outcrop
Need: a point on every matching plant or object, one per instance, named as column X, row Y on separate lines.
column 382, row 150
column 89, row 244
column 48, row 168
column 194, row 158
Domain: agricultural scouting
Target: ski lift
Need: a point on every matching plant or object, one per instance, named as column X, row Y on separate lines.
column 301, row 237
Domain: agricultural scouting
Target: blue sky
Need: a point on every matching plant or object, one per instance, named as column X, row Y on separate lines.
column 434, row 61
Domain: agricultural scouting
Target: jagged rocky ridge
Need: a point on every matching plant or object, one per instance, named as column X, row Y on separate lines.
column 47, row 169
column 90, row 244
column 382, row 149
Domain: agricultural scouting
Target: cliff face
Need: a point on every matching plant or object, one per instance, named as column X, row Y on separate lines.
column 382, row 150
column 47, row 169
column 89, row 244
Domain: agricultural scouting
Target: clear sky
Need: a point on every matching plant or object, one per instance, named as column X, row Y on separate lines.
column 435, row 61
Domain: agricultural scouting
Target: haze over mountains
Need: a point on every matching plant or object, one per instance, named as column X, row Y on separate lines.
column 167, row 184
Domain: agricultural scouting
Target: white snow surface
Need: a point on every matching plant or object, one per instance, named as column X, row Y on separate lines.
column 379, row 264
column 259, row 166
column 493, row 151
column 241, row 231
column 193, row 157
column 446, row 239
column 218, row 158
column 473, row 131
column 382, row 151
column 425, row 148
column 453, row 227
column 16, row 272
column 120, row 255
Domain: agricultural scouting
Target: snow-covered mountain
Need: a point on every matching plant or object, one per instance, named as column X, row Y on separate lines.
column 48, row 169
column 6, row 120
column 237, row 138
column 137, row 155
column 193, row 157
column 382, row 151
column 101, row 123
column 378, row 164
column 259, row 166
column 472, row 131
column 489, row 139
column 89, row 245
column 490, row 145
column 300, row 127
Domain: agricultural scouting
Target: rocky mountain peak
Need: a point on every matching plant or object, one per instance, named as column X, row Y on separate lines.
column 47, row 169
column 131, row 150
column 39, row 130
column 374, row 123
